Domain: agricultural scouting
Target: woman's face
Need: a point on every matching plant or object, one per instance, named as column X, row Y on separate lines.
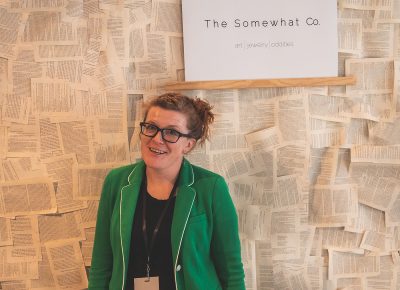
column 158, row 154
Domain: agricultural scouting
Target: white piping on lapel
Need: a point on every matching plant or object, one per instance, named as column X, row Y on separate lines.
column 187, row 218
column 120, row 230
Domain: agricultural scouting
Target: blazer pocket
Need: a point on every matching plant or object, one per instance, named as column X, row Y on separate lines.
column 197, row 218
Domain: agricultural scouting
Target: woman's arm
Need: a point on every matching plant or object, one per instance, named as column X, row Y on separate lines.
column 102, row 257
column 225, row 243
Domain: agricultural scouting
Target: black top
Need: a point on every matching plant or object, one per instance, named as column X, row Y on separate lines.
column 161, row 264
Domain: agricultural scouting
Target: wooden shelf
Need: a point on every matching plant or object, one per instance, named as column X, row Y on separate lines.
column 271, row 83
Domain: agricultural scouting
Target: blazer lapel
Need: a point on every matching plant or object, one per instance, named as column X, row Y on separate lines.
column 183, row 204
column 128, row 201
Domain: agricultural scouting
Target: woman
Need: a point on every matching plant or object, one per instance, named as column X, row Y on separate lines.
column 162, row 222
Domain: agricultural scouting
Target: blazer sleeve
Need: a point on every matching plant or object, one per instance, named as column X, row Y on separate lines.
column 102, row 256
column 225, row 243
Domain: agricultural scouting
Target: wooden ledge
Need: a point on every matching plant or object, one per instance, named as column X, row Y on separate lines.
column 270, row 83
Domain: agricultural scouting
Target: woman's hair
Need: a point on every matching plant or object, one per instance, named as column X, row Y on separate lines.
column 197, row 111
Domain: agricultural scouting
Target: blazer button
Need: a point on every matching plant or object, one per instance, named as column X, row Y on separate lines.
column 178, row 268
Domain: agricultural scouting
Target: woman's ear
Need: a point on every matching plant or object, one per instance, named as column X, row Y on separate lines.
column 189, row 146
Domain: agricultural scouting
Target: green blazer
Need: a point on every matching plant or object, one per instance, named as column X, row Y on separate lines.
column 204, row 233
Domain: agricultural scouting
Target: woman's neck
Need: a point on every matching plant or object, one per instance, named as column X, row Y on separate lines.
column 159, row 184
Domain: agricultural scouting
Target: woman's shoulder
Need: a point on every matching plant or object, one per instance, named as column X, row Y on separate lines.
column 201, row 173
column 123, row 172
column 209, row 184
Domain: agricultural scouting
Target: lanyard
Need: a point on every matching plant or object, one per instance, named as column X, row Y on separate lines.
column 148, row 247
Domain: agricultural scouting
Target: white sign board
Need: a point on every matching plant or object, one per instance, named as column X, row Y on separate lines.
column 259, row 39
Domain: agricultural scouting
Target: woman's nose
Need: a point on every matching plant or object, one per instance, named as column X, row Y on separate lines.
column 158, row 137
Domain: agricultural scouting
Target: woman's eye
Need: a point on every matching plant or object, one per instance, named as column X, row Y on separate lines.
column 172, row 132
column 151, row 128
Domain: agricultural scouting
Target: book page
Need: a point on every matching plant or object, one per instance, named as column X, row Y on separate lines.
column 66, row 264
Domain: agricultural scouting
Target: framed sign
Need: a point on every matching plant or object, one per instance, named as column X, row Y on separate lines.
column 259, row 39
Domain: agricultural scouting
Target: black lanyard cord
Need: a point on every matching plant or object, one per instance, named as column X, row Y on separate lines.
column 148, row 247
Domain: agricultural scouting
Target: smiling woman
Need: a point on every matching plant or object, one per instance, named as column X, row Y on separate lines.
column 163, row 158
column 164, row 223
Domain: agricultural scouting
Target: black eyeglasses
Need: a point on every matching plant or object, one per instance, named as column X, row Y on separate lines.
column 168, row 135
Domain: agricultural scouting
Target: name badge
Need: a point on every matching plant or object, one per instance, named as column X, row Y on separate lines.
column 146, row 283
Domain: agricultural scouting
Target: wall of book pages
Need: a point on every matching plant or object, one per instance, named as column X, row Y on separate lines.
column 314, row 172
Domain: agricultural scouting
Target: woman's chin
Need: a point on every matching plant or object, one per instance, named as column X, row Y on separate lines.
column 155, row 162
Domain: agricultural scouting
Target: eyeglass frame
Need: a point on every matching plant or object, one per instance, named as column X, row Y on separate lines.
column 162, row 130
